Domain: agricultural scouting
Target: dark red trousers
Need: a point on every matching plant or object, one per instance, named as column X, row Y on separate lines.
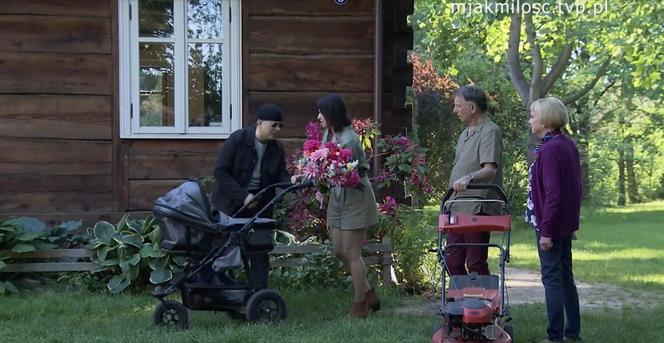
column 456, row 258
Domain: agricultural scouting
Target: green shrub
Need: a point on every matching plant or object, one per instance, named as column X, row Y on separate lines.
column 26, row 234
column 130, row 253
column 413, row 235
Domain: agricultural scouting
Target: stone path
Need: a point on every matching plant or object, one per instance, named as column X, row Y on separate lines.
column 525, row 287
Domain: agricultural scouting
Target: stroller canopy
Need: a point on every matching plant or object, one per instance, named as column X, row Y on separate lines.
column 187, row 202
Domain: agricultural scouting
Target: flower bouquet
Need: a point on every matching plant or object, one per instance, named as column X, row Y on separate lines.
column 328, row 165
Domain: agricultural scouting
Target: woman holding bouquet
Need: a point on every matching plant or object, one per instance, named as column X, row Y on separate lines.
column 350, row 211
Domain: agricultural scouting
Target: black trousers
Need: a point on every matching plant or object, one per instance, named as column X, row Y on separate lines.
column 259, row 262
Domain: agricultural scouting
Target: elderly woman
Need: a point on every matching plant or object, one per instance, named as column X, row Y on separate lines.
column 554, row 204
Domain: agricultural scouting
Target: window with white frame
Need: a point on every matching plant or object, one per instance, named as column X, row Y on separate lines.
column 180, row 70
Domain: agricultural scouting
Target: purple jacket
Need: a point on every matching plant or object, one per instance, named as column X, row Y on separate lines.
column 556, row 188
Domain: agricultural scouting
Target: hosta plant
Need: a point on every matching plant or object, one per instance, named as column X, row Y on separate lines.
column 26, row 234
column 130, row 252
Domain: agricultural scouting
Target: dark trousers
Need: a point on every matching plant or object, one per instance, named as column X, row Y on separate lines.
column 259, row 262
column 562, row 299
column 456, row 258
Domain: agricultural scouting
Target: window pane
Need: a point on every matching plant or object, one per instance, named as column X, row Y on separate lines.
column 204, row 19
column 157, row 93
column 205, row 80
column 155, row 18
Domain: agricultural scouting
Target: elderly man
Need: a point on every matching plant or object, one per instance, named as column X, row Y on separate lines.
column 477, row 160
column 250, row 160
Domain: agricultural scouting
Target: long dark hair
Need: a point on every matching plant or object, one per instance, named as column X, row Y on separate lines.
column 333, row 109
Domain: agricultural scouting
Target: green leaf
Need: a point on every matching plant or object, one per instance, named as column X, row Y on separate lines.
column 23, row 247
column 133, row 272
column 149, row 224
column 10, row 287
column 133, row 240
column 131, row 261
column 103, row 253
column 2, row 265
column 157, row 252
column 160, row 276
column 44, row 246
column 146, row 250
column 155, row 235
column 118, row 283
column 2, row 287
column 104, row 231
column 158, row 263
column 97, row 269
column 134, row 259
column 136, row 226
column 27, row 236
column 179, row 260
column 32, row 224
column 122, row 223
column 71, row 225
column 110, row 262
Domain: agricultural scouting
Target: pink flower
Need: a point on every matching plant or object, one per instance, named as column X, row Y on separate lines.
column 353, row 179
column 345, row 154
column 314, row 131
column 319, row 154
column 388, row 206
column 403, row 141
column 310, row 145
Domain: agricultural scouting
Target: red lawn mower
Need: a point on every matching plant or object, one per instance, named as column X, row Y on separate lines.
column 473, row 307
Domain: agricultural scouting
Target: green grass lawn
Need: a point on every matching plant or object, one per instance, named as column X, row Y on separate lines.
column 315, row 316
column 621, row 246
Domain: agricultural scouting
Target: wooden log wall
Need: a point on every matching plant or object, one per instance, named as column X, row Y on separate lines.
column 60, row 152
column 56, row 103
column 298, row 51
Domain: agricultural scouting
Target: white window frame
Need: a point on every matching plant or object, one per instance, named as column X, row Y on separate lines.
column 128, row 80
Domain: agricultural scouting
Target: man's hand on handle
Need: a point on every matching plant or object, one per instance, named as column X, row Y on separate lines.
column 250, row 199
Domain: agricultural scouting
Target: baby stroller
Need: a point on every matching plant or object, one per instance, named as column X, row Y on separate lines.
column 474, row 307
column 215, row 246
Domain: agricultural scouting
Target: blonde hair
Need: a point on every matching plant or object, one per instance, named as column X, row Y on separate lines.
column 552, row 112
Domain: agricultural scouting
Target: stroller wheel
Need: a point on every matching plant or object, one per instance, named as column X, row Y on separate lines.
column 171, row 313
column 265, row 306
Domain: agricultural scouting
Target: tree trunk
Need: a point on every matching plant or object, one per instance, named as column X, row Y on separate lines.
column 632, row 187
column 621, row 176
column 580, row 124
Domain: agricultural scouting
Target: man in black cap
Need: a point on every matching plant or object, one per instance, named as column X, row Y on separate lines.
column 250, row 160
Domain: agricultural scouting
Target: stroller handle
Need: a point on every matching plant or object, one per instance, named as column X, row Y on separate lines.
column 287, row 184
column 493, row 187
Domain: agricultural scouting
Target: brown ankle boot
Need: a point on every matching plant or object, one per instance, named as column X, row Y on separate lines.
column 373, row 301
column 359, row 310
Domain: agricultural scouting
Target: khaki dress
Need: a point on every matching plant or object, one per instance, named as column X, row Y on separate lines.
column 352, row 208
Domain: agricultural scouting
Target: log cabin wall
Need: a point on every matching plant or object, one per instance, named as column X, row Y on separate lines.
column 56, row 105
column 60, row 152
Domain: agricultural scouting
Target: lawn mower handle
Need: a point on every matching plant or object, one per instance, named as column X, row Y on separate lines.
column 496, row 188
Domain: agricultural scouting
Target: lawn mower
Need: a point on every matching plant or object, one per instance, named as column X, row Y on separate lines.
column 473, row 307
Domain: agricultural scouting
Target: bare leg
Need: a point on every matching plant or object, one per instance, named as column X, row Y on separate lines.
column 352, row 241
column 337, row 245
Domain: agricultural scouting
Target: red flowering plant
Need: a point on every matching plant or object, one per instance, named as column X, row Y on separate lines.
column 367, row 131
column 405, row 162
